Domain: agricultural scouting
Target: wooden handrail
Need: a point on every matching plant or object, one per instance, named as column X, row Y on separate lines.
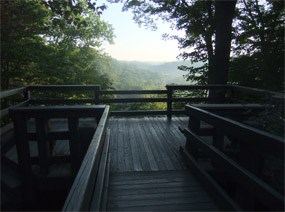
column 252, row 142
column 265, row 193
column 64, row 87
column 42, row 114
column 80, row 194
column 102, row 92
column 256, row 91
column 11, row 92
column 169, row 99
column 237, row 129
column 198, row 87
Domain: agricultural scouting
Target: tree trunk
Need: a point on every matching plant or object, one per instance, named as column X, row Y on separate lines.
column 224, row 13
column 209, row 41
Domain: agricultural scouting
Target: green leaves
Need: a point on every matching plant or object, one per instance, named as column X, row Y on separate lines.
column 52, row 42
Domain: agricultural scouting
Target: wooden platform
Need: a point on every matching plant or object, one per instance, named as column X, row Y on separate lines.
column 147, row 169
column 146, row 143
column 158, row 191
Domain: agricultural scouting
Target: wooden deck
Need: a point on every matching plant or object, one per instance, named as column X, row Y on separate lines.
column 147, row 169
column 146, row 143
column 157, row 191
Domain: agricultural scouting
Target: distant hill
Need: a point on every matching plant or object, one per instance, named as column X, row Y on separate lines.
column 169, row 70
column 162, row 67
column 146, row 75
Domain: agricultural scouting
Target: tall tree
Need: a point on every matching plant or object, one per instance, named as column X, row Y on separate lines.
column 223, row 19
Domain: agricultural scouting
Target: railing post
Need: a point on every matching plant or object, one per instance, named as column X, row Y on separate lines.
column 194, row 125
column 24, row 157
column 74, row 144
column 97, row 94
column 27, row 94
column 169, row 101
column 43, row 145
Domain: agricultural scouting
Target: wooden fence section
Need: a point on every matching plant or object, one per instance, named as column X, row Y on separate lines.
column 37, row 95
column 172, row 94
column 243, row 173
column 44, row 137
column 88, row 187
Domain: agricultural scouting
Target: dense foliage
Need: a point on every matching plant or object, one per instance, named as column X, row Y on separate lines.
column 52, row 42
column 259, row 45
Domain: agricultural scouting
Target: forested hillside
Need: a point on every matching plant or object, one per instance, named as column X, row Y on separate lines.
column 153, row 74
column 126, row 76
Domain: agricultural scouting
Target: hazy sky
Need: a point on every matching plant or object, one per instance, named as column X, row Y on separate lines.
column 135, row 43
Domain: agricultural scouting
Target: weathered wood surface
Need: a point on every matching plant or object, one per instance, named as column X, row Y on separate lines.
column 146, row 143
column 11, row 92
column 259, row 138
column 60, row 148
column 158, row 191
column 80, row 195
column 245, row 170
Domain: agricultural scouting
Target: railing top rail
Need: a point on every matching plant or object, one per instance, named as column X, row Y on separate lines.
column 257, row 91
column 64, row 87
column 133, row 92
column 58, row 111
column 79, row 196
column 186, row 87
column 11, row 92
column 235, row 128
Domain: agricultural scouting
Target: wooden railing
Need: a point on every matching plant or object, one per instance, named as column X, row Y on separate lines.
column 53, row 96
column 87, row 189
column 172, row 94
column 241, row 173
column 92, row 94
column 44, row 135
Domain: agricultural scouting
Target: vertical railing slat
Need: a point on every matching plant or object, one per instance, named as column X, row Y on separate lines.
column 43, row 144
column 97, row 94
column 169, row 101
column 24, row 157
column 74, row 144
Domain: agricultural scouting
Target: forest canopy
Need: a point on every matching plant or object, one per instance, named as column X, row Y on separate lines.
column 58, row 41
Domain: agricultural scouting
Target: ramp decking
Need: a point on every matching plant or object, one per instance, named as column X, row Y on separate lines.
column 157, row 191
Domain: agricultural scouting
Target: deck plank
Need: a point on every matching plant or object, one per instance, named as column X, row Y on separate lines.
column 173, row 141
column 147, row 146
column 137, row 166
column 121, row 151
column 142, row 153
column 161, row 148
column 127, row 147
column 153, row 144
column 157, row 190
column 146, row 143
